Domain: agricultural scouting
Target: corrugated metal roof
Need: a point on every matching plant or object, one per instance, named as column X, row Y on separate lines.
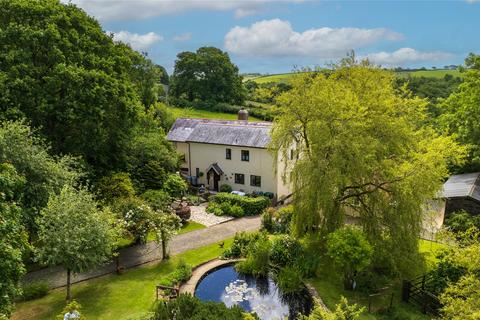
column 462, row 185
column 226, row 132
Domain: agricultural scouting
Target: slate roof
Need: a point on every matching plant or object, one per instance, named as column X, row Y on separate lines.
column 463, row 185
column 225, row 132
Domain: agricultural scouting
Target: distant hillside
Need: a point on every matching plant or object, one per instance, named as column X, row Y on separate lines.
column 204, row 114
column 285, row 77
column 281, row 77
column 431, row 73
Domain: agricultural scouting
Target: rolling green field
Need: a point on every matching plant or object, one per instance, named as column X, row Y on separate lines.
column 282, row 77
column 285, row 77
column 204, row 114
column 431, row 73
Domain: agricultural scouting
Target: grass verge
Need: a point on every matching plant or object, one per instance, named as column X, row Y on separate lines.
column 191, row 226
column 188, row 227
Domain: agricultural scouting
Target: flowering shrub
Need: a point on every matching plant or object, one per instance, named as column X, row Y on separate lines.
column 137, row 216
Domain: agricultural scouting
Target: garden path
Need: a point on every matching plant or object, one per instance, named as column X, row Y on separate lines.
column 140, row 254
column 200, row 215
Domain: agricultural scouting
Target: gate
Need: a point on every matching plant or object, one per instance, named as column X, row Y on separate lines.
column 418, row 292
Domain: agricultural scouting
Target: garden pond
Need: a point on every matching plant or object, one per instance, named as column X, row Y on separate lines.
column 259, row 295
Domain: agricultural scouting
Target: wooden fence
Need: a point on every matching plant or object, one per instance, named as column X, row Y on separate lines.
column 418, row 291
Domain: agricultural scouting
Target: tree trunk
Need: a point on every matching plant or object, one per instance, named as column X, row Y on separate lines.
column 118, row 268
column 164, row 246
column 349, row 282
column 68, row 285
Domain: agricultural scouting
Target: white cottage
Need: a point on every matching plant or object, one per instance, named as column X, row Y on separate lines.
column 232, row 152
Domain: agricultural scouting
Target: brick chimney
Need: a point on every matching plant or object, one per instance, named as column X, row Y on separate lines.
column 243, row 115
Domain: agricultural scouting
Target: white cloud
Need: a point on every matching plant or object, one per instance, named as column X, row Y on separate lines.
column 472, row 1
column 277, row 38
column 137, row 41
column 182, row 37
column 407, row 55
column 144, row 9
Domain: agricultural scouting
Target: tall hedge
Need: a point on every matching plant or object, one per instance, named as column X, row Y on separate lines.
column 251, row 206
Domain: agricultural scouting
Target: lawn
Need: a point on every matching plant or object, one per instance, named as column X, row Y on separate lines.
column 196, row 113
column 191, row 226
column 188, row 227
column 132, row 294
column 430, row 250
column 115, row 297
column 330, row 289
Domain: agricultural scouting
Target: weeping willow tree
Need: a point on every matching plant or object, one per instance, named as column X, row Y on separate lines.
column 364, row 151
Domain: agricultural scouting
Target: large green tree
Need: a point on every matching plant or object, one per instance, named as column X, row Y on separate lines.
column 44, row 174
column 13, row 238
column 433, row 89
column 149, row 79
column 71, row 80
column 350, row 250
column 207, row 75
column 362, row 152
column 74, row 233
column 461, row 113
column 150, row 155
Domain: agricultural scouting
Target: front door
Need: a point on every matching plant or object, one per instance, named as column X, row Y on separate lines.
column 212, row 180
column 216, row 178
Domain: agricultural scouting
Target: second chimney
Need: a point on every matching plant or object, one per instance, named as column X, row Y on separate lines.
column 243, row 115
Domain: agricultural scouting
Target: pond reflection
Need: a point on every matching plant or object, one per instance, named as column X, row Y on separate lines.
column 260, row 295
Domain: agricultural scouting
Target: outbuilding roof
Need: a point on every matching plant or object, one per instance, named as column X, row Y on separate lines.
column 225, row 132
column 463, row 185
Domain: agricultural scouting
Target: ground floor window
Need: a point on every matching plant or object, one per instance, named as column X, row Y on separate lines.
column 255, row 181
column 239, row 178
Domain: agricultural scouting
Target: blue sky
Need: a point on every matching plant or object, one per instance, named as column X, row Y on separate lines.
column 276, row 36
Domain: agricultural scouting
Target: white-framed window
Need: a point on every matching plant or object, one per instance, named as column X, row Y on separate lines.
column 255, row 181
column 245, row 155
column 239, row 178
